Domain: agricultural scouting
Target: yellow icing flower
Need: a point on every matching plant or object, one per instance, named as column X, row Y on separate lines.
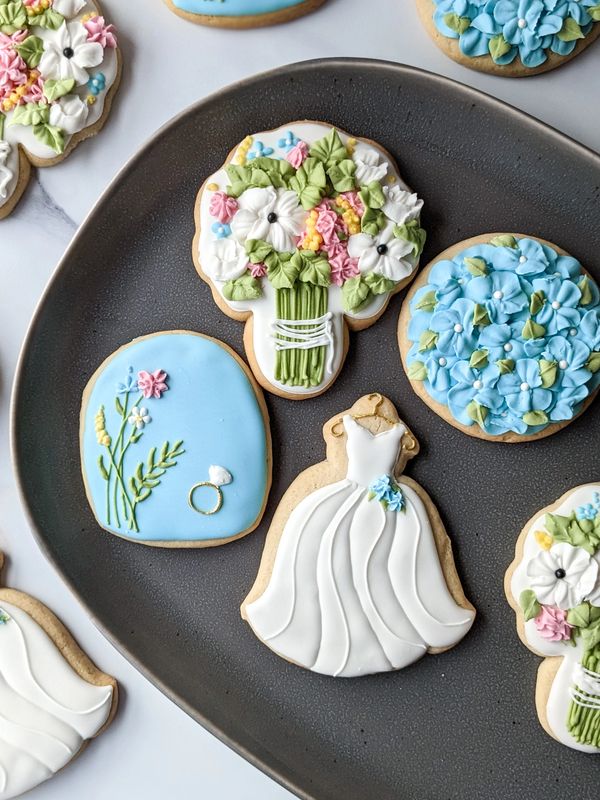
column 350, row 145
column 312, row 239
column 242, row 152
column 544, row 539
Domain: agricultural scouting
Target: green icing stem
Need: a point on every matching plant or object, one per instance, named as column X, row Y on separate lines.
column 300, row 366
column 584, row 723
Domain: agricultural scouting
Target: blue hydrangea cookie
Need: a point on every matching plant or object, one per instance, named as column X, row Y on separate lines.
column 500, row 336
column 511, row 37
column 242, row 13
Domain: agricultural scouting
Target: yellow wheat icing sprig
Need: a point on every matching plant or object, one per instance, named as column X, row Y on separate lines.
column 313, row 239
column 242, row 152
column 15, row 97
column 100, row 427
column 38, row 8
column 349, row 215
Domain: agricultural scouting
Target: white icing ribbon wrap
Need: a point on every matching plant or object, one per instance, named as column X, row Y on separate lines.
column 319, row 334
column 587, row 683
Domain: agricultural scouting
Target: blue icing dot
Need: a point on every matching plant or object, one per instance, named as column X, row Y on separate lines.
column 211, row 405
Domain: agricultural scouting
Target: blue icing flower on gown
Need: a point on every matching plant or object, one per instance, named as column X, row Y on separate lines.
column 186, row 405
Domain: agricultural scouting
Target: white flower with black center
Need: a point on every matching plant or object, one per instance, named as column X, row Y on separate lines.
column 271, row 215
column 383, row 254
column 563, row 576
column 370, row 165
column 68, row 54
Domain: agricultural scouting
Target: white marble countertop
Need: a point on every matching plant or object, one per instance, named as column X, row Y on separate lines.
column 153, row 750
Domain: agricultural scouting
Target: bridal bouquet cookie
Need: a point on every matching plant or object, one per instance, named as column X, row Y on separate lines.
column 554, row 587
column 59, row 68
column 242, row 13
column 357, row 574
column 304, row 233
column 500, row 336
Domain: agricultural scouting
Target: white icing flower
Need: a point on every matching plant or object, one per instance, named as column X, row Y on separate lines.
column 594, row 596
column 273, row 215
column 383, row 254
column 5, row 174
column 139, row 417
column 219, row 475
column 67, row 54
column 401, row 206
column 68, row 8
column 69, row 113
column 226, row 260
column 562, row 576
column 370, row 165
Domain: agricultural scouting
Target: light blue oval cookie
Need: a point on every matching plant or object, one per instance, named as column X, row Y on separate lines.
column 175, row 442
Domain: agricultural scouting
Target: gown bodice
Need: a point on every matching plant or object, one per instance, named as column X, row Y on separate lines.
column 371, row 456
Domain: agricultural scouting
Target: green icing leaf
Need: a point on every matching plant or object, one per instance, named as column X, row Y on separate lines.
column 593, row 362
column 49, row 19
column 417, row 371
column 258, row 250
column 243, row 288
column 12, row 17
column 2, row 121
column 591, row 636
column 535, row 418
column 330, row 150
column 427, row 340
column 309, row 183
column 341, row 175
column 548, row 372
column 455, row 23
column 570, row 31
column 586, row 291
column 505, row 365
column 412, row 233
column 102, row 468
column 281, row 272
column 355, row 293
column 536, row 302
column 50, row 135
column 428, row 302
column 504, row 240
column 481, row 316
column 312, row 268
column 580, row 533
column 499, row 47
column 476, row 266
column 529, row 604
column 379, row 284
column 479, row 359
column 373, row 221
column 477, row 412
column 55, row 89
column 580, row 616
column 30, row 114
column 31, row 50
column 594, row 13
column 259, row 173
column 532, row 330
column 372, row 196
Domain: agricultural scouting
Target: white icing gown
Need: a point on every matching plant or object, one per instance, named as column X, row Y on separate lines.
column 355, row 588
column 46, row 709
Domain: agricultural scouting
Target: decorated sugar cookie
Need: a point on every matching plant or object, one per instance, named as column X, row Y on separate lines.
column 175, row 442
column 554, row 587
column 53, row 700
column 500, row 336
column 357, row 575
column 59, row 69
column 514, row 38
column 242, row 13
column 304, row 233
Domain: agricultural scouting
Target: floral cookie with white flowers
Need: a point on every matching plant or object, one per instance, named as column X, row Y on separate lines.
column 242, row 13
column 175, row 442
column 304, row 233
column 514, row 38
column 59, row 70
column 554, row 587
column 500, row 336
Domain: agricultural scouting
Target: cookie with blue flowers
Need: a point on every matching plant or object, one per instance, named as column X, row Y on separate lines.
column 514, row 38
column 500, row 336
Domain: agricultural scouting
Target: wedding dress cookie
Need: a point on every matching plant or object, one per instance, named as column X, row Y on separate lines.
column 59, row 70
column 242, row 13
column 357, row 575
column 52, row 698
column 554, row 587
column 500, row 336
column 304, row 233
column 175, row 442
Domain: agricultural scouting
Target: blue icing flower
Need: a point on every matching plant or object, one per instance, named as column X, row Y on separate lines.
column 502, row 421
column 589, row 328
column 454, row 326
column 259, row 151
column 288, row 141
column 568, row 403
column 221, row 230
column 528, row 258
column 528, row 25
column 419, row 322
column 500, row 293
column 395, row 500
column 473, row 385
column 564, row 267
column 504, row 341
column 571, row 357
column 560, row 307
column 380, row 488
column 523, row 390
column 448, row 278
column 97, row 83
column 439, row 368
column 129, row 384
column 589, row 510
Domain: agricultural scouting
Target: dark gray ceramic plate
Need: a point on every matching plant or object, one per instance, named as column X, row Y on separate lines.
column 458, row 726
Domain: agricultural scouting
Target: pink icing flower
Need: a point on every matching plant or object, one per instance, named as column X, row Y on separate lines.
column 152, row 384
column 99, row 31
column 8, row 42
column 342, row 266
column 297, row 154
column 13, row 71
column 355, row 201
column 35, row 92
column 258, row 270
column 223, row 207
column 327, row 224
column 551, row 623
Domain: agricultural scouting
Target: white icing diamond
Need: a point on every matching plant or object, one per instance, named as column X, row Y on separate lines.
column 458, row 328
column 219, row 475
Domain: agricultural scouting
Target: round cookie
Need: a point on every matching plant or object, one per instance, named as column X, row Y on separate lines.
column 304, row 233
column 513, row 38
column 357, row 575
column 59, row 70
column 242, row 13
column 500, row 336
column 175, row 442
column 553, row 585
column 53, row 698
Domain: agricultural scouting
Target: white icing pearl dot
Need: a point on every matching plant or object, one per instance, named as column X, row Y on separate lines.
column 442, row 361
column 563, row 364
column 555, row 305
column 522, row 259
column 522, row 23
column 573, row 332
column 507, row 347
column 458, row 328
column 477, row 384
column 498, row 295
column 524, row 386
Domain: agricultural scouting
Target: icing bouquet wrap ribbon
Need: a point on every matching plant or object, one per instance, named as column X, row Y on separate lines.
column 304, row 232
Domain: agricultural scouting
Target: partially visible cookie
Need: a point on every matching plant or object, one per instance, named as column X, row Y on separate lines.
column 59, row 70
column 500, row 336
column 513, row 38
column 242, row 13
column 53, row 700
